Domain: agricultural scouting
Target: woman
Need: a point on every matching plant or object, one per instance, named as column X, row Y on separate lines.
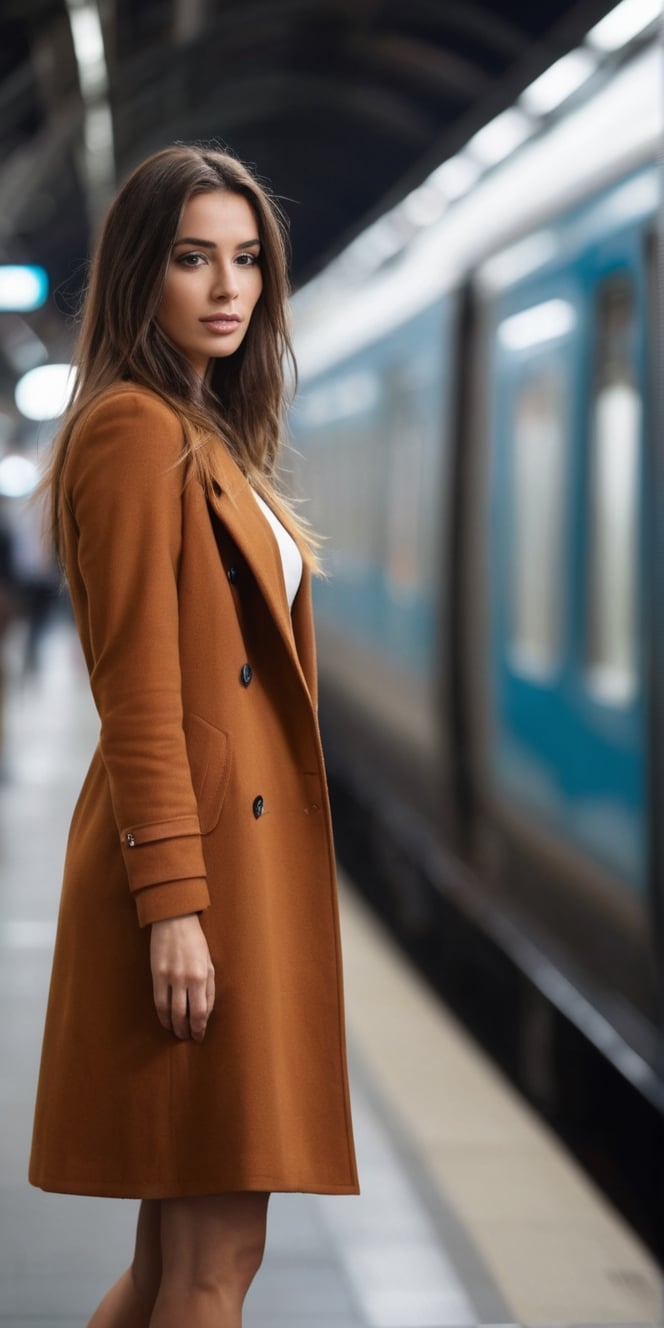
column 194, row 1048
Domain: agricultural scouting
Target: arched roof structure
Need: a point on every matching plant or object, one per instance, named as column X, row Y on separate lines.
column 342, row 105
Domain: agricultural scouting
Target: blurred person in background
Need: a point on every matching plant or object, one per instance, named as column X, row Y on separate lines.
column 194, row 1052
column 8, row 611
column 36, row 578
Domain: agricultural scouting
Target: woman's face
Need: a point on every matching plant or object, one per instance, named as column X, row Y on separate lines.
column 213, row 280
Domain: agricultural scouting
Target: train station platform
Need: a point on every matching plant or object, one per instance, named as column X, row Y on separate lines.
column 470, row 1212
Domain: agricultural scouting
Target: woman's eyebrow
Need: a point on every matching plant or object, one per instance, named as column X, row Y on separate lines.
column 209, row 244
column 192, row 239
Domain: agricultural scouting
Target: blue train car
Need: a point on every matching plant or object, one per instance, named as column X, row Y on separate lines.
column 377, row 435
column 569, row 434
column 476, row 431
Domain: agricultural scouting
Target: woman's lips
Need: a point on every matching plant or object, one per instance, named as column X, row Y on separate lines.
column 221, row 323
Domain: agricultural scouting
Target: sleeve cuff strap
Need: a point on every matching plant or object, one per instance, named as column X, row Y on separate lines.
column 173, row 858
column 171, row 899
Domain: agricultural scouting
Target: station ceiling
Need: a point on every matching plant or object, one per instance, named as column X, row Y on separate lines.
column 342, row 105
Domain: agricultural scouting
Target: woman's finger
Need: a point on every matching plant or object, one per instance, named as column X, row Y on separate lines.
column 210, row 990
column 179, row 1013
column 198, row 1010
column 162, row 1001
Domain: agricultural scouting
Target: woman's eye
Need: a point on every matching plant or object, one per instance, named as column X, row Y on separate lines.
column 191, row 260
column 247, row 260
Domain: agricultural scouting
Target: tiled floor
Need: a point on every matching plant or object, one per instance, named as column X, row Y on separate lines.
column 405, row 1254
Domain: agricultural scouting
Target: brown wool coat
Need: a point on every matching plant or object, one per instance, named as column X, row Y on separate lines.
column 207, row 792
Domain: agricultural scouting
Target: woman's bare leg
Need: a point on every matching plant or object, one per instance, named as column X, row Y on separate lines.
column 130, row 1302
column 211, row 1250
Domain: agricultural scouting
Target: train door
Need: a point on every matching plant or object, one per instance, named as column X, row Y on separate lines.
column 536, row 397
column 566, row 559
column 608, row 637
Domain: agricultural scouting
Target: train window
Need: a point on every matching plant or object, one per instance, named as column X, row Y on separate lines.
column 341, row 481
column 614, row 466
column 409, row 424
column 537, row 480
column 404, row 511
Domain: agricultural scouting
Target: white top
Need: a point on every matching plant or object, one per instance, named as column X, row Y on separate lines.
column 291, row 558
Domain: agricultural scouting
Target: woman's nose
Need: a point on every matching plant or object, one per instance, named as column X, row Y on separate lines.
column 225, row 285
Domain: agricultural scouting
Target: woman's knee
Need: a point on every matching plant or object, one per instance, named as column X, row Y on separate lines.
column 214, row 1243
column 247, row 1258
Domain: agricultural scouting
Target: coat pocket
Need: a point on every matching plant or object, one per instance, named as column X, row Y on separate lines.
column 209, row 752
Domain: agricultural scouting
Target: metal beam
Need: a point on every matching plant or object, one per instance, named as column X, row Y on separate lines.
column 422, row 66
column 248, row 101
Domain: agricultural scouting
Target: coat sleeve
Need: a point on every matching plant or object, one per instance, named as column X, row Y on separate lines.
column 123, row 483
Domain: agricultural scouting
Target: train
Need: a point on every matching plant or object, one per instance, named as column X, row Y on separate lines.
column 476, row 431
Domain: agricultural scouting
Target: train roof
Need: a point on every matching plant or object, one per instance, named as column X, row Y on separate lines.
column 605, row 138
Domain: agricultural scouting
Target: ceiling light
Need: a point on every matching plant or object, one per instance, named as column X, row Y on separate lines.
column 89, row 47
column 43, row 393
column 424, row 205
column 456, row 176
column 501, row 136
column 382, row 240
column 542, row 322
column 623, row 23
column 557, row 83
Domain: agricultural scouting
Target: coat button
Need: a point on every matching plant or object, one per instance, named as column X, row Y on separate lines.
column 131, row 842
column 232, row 575
column 246, row 674
column 258, row 807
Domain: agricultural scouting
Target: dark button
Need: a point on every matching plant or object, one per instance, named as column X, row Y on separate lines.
column 246, row 674
column 232, row 575
column 258, row 807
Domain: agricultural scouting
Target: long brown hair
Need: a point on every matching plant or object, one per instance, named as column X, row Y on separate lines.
column 242, row 397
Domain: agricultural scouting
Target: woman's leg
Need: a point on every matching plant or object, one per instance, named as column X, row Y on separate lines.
column 211, row 1249
column 129, row 1303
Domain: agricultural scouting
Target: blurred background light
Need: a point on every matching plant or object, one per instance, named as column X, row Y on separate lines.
column 43, row 393
column 510, row 265
column 542, row 322
column 456, row 176
column 98, row 162
column 558, row 82
column 18, row 476
column 500, row 136
column 424, row 205
column 383, row 239
column 23, row 287
column 623, row 23
column 88, row 45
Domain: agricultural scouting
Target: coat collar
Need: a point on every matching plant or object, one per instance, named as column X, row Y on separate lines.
column 234, row 504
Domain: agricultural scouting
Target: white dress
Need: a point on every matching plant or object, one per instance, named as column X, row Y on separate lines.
column 291, row 558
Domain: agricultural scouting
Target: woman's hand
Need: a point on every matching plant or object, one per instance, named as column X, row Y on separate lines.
column 182, row 976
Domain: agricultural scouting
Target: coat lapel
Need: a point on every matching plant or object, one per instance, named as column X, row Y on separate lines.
column 236, row 507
